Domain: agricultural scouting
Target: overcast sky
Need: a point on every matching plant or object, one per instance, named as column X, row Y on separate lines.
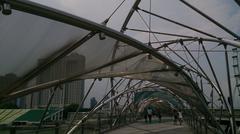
column 227, row 12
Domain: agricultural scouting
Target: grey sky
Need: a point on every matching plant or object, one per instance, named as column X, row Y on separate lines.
column 227, row 12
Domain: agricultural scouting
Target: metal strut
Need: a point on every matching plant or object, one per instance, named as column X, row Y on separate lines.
column 162, row 33
column 52, row 59
column 45, row 112
column 218, row 90
column 91, row 112
column 81, row 103
column 211, row 19
column 232, row 117
column 180, row 24
column 214, row 75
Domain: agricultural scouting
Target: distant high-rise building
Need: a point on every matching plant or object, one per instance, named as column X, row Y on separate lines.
column 93, row 102
column 7, row 80
column 106, row 106
column 68, row 93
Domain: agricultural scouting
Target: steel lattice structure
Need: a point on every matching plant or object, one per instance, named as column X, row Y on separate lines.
column 183, row 65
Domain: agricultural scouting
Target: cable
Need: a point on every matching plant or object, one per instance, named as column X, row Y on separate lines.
column 148, row 26
column 115, row 10
column 149, row 23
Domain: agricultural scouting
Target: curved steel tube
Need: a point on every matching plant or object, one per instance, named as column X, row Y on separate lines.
column 53, row 14
column 233, row 43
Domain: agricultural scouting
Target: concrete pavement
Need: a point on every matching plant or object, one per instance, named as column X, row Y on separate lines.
column 140, row 127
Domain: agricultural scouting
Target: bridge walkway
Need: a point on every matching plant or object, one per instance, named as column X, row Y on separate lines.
column 165, row 127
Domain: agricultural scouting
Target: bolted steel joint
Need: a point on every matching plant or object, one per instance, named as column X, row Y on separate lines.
column 5, row 7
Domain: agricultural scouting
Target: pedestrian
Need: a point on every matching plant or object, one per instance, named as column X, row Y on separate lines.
column 175, row 116
column 145, row 114
column 149, row 112
column 159, row 116
column 180, row 117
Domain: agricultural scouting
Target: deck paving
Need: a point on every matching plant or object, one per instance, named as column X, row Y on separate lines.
column 140, row 127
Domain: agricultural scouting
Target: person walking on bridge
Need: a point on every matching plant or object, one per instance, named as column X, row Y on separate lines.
column 180, row 117
column 175, row 116
column 145, row 114
column 149, row 112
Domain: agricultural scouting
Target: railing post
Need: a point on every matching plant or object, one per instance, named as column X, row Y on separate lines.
column 206, row 130
column 57, row 128
column 190, row 122
column 82, row 129
column 200, row 125
column 99, row 123
column 197, row 126
column 193, row 123
column 12, row 130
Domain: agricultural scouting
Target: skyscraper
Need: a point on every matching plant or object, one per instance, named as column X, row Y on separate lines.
column 68, row 93
column 93, row 102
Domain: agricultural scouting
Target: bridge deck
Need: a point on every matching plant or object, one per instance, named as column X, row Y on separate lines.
column 166, row 127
